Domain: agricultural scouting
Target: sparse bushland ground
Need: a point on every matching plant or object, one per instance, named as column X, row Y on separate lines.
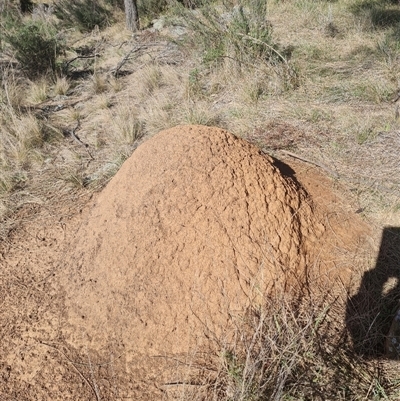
column 316, row 78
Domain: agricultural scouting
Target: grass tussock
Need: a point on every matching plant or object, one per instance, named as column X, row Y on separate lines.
column 288, row 351
column 61, row 86
column 38, row 91
column 127, row 128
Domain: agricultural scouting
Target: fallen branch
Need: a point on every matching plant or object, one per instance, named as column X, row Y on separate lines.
column 296, row 156
column 135, row 49
column 81, row 57
column 77, row 139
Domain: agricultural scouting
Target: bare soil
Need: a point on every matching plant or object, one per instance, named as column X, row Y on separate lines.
column 116, row 296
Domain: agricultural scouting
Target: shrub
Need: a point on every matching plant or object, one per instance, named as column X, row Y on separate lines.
column 84, row 14
column 241, row 32
column 36, row 47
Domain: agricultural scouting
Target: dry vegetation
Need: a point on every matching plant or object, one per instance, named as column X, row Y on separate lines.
column 317, row 78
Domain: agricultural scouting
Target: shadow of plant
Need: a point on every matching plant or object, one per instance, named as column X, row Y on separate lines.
column 382, row 13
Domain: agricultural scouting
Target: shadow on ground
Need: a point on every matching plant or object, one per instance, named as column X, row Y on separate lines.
column 382, row 13
column 370, row 312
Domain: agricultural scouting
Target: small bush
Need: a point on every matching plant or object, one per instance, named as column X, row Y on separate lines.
column 241, row 32
column 36, row 47
column 84, row 14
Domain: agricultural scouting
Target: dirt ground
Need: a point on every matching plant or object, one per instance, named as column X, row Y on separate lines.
column 81, row 320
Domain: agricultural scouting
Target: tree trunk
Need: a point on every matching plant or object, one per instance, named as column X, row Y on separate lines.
column 132, row 15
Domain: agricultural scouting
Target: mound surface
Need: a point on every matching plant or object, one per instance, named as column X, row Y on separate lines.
column 196, row 226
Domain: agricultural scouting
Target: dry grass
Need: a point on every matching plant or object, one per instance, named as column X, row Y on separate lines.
column 98, row 84
column 288, row 350
column 61, row 86
column 346, row 74
column 13, row 90
column 38, row 91
column 127, row 128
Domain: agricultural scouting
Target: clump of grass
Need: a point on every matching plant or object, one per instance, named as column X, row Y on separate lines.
column 62, row 86
column 38, row 91
column 379, row 14
column 116, row 84
column 159, row 114
column 200, row 113
column 127, row 126
column 286, row 350
column 12, row 92
column 21, row 137
column 194, row 85
column 99, row 83
column 29, row 132
column 22, row 145
column 151, row 79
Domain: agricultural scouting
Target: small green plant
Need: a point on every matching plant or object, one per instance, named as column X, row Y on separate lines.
column 242, row 32
column 36, row 47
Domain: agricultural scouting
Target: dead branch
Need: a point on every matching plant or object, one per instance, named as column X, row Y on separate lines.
column 78, row 140
column 127, row 57
column 81, row 57
column 296, row 156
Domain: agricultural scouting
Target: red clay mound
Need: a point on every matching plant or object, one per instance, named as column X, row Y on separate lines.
column 196, row 226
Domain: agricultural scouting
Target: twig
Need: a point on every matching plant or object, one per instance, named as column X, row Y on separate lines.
column 79, row 57
column 396, row 98
column 96, row 389
column 125, row 59
column 77, row 139
column 135, row 49
column 181, row 384
column 122, row 44
column 296, row 156
column 73, row 365
column 260, row 42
